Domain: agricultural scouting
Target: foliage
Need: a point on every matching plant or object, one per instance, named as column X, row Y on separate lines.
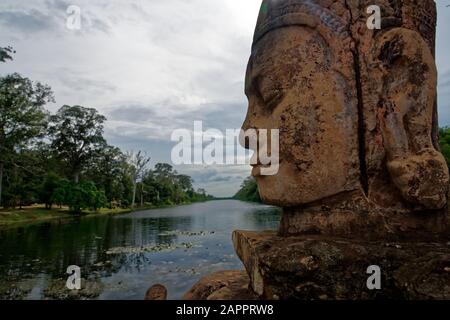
column 249, row 191
column 444, row 141
column 80, row 196
column 164, row 186
column 6, row 54
column 22, row 116
column 138, row 167
column 22, row 120
column 52, row 181
column 77, row 135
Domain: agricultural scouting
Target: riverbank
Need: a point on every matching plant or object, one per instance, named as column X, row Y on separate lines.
column 38, row 213
column 121, row 256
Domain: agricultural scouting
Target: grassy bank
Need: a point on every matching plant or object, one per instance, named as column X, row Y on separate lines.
column 38, row 213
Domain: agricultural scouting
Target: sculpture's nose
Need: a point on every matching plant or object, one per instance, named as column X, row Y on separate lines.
column 248, row 136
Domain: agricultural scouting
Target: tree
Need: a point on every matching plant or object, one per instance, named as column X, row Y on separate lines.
column 249, row 191
column 60, row 194
column 80, row 196
column 6, row 54
column 22, row 117
column 164, row 170
column 185, row 182
column 138, row 164
column 23, row 178
column 165, row 182
column 77, row 134
column 444, row 142
column 47, row 191
column 106, row 169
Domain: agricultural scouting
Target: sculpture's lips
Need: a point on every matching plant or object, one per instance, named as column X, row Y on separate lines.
column 256, row 171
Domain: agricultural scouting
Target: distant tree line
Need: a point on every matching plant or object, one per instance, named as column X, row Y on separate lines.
column 63, row 159
column 444, row 142
column 248, row 191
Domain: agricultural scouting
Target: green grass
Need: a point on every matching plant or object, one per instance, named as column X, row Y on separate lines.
column 38, row 213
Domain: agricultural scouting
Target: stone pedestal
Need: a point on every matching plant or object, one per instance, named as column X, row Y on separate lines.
column 317, row 267
column 222, row 285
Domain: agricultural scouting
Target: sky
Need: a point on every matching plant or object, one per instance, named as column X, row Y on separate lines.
column 153, row 66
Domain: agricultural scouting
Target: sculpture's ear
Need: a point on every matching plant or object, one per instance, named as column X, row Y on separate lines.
column 409, row 79
column 406, row 107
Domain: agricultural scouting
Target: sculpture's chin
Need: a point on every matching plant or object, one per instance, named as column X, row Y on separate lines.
column 280, row 191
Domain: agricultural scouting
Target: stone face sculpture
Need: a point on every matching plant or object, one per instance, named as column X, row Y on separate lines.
column 356, row 110
column 361, row 180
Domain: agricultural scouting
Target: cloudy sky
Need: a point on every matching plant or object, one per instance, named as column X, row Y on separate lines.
column 152, row 66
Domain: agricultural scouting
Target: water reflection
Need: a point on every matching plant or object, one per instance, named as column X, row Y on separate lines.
column 174, row 246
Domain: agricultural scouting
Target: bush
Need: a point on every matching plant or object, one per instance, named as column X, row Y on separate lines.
column 249, row 191
column 47, row 190
column 80, row 196
column 444, row 142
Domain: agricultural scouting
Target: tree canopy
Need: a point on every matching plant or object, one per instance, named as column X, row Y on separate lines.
column 77, row 136
column 64, row 159
column 248, row 191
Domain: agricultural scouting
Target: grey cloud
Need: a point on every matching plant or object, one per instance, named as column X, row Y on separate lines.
column 219, row 116
column 100, row 25
column 444, row 80
column 225, row 116
column 28, row 22
column 133, row 113
column 82, row 83
column 202, row 174
column 222, row 179
column 50, row 16
column 61, row 5
column 218, row 180
column 158, row 150
column 444, row 108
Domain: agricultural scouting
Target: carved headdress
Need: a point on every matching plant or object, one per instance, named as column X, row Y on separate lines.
column 276, row 14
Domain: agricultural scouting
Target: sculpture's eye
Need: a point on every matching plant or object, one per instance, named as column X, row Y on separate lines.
column 268, row 92
column 272, row 97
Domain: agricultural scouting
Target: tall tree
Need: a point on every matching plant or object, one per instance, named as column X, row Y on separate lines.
column 185, row 182
column 77, row 134
column 105, row 170
column 22, row 117
column 138, row 163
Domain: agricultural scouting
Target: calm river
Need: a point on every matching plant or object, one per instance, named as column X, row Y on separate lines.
column 121, row 256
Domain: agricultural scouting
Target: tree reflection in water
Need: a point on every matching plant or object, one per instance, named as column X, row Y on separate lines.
column 175, row 246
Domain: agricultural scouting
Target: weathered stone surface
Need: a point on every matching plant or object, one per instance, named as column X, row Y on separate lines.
column 348, row 221
column 356, row 110
column 156, row 292
column 223, row 285
column 316, row 267
column 300, row 80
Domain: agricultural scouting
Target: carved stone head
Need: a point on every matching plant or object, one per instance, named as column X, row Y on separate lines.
column 356, row 108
